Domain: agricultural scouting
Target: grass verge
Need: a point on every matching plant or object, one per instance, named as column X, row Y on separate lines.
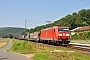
column 44, row 52
column 80, row 41
column 22, row 47
column 5, row 44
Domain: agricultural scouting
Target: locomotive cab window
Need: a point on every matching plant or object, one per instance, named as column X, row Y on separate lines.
column 63, row 29
column 66, row 30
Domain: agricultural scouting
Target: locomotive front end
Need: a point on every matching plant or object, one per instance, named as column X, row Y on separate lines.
column 64, row 35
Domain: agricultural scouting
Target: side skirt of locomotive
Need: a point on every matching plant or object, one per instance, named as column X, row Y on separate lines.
column 53, row 41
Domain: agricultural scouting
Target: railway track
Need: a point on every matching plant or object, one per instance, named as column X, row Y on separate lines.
column 80, row 47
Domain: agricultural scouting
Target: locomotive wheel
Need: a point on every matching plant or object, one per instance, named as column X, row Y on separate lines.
column 60, row 44
column 57, row 43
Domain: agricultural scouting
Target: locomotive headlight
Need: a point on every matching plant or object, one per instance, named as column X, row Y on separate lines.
column 60, row 34
column 67, row 34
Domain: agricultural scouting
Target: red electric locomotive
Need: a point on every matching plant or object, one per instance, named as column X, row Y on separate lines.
column 57, row 35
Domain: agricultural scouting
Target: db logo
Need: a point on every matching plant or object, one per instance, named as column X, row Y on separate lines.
column 63, row 34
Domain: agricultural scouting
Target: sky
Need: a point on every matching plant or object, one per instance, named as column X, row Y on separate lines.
column 13, row 13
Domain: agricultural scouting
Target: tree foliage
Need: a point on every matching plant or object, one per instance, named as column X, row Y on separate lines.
column 4, row 36
column 11, row 30
column 81, row 35
column 10, row 36
column 76, row 19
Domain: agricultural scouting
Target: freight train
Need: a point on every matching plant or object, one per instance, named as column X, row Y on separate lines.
column 55, row 35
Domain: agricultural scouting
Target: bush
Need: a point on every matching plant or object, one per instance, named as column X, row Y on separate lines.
column 88, row 35
column 81, row 35
column 74, row 37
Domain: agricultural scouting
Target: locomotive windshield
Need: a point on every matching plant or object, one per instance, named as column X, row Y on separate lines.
column 63, row 29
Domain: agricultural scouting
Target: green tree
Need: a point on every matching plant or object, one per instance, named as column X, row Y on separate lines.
column 76, row 19
column 10, row 36
column 82, row 12
column 74, row 37
column 4, row 36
